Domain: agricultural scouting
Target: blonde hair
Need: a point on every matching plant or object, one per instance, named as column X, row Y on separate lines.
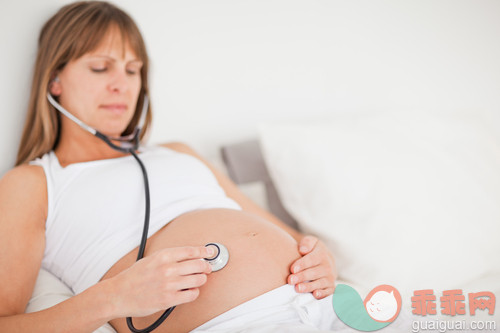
column 73, row 31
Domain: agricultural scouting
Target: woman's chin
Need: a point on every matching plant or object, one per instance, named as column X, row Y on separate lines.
column 112, row 131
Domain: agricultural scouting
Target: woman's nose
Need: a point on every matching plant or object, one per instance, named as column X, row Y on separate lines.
column 118, row 82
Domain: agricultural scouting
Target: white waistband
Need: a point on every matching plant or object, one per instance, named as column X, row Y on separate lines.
column 279, row 308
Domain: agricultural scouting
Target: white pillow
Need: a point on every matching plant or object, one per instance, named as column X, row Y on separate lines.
column 411, row 201
column 49, row 291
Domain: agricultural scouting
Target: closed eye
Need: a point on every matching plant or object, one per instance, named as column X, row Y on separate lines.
column 134, row 68
column 132, row 72
column 98, row 70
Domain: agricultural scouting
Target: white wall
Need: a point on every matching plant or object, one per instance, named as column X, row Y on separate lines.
column 221, row 67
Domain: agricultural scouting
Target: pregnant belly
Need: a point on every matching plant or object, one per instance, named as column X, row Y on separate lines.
column 260, row 256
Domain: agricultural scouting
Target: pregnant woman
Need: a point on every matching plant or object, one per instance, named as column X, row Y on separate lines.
column 75, row 206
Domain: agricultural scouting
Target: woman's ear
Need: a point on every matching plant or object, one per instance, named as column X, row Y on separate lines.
column 55, row 87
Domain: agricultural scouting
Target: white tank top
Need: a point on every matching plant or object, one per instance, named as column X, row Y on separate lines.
column 96, row 209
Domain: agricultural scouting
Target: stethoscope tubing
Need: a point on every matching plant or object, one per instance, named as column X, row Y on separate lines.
column 142, row 248
column 128, row 144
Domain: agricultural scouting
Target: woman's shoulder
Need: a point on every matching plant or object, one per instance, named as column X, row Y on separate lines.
column 181, row 148
column 24, row 174
column 23, row 184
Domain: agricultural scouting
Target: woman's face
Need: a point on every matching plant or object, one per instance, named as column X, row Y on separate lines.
column 101, row 88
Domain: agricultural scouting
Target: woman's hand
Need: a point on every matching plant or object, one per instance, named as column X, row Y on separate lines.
column 164, row 279
column 315, row 271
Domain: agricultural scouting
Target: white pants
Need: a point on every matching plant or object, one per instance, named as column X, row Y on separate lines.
column 279, row 310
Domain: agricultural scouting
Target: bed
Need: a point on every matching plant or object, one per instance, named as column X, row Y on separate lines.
column 405, row 200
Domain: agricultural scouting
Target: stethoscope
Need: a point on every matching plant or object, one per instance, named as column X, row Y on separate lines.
column 129, row 144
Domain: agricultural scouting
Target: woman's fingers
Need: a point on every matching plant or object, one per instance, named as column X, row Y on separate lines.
column 310, row 286
column 185, row 261
column 315, row 270
column 322, row 293
column 189, row 282
column 194, row 266
column 187, row 295
column 309, row 260
column 309, row 274
column 320, row 288
column 307, row 244
column 161, row 280
column 179, row 254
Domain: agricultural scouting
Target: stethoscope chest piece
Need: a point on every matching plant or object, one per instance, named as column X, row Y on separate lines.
column 221, row 257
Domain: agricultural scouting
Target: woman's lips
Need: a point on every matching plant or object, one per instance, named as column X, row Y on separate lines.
column 115, row 108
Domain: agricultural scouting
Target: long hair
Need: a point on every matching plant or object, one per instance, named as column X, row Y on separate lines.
column 73, row 31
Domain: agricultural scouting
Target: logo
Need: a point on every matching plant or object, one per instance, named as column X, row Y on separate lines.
column 380, row 307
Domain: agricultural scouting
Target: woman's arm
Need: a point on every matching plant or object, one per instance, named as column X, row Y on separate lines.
column 23, row 210
column 315, row 271
column 163, row 279
column 22, row 235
